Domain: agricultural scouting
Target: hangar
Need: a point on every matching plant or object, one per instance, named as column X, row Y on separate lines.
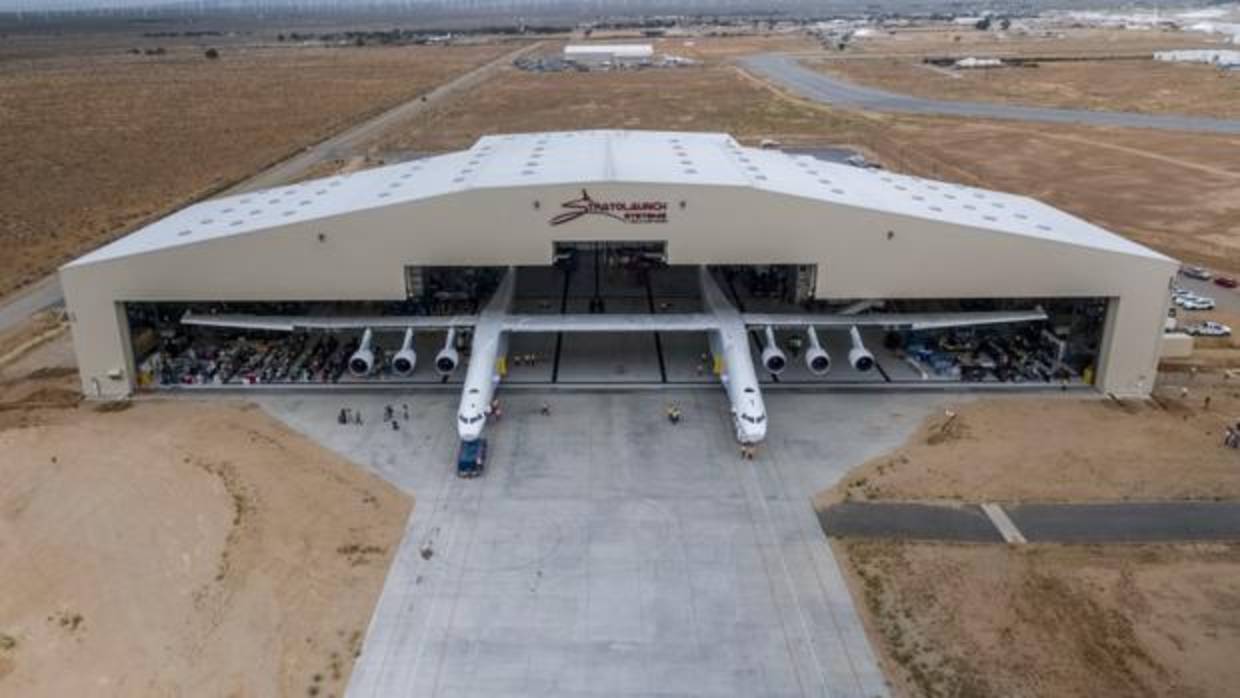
column 624, row 242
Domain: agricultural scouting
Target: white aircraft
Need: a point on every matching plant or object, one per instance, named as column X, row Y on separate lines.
column 727, row 329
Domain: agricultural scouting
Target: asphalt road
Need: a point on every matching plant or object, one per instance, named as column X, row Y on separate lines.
column 43, row 294
column 788, row 72
column 1122, row 522
column 1225, row 299
column 47, row 293
column 908, row 521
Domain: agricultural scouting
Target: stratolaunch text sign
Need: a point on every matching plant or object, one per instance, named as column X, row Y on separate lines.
column 623, row 211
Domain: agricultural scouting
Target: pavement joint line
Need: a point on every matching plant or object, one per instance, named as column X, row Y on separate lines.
column 1011, row 534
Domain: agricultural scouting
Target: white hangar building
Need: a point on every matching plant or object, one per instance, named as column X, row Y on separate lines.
column 609, row 53
column 830, row 235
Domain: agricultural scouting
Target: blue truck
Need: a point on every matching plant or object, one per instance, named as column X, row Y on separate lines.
column 472, row 458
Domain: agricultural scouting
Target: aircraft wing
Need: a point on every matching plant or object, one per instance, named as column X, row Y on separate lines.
column 895, row 321
column 289, row 323
column 670, row 322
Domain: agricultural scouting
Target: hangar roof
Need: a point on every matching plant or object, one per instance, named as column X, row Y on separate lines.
column 638, row 157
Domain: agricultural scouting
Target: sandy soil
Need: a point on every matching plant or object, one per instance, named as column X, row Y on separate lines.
column 95, row 143
column 180, row 548
column 1178, row 193
column 1175, row 192
column 711, row 97
column 1065, row 448
column 722, row 50
column 1136, row 86
column 992, row 620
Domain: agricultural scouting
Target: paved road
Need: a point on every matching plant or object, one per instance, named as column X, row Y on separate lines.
column 43, row 294
column 909, row 521
column 1127, row 522
column 606, row 552
column 788, row 72
column 1121, row 522
column 47, row 293
column 1225, row 299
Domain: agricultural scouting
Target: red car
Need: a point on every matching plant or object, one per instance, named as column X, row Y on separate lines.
column 1225, row 281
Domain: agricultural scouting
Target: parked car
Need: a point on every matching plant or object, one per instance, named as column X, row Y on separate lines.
column 1209, row 328
column 1195, row 273
column 1225, row 282
column 1198, row 303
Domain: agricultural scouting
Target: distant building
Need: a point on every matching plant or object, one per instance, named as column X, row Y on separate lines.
column 971, row 62
column 613, row 54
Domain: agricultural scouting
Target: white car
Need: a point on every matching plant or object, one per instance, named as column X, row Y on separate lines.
column 1210, row 329
column 1198, row 303
column 1196, row 273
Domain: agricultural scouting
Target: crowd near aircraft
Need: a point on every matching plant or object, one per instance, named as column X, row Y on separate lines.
column 727, row 328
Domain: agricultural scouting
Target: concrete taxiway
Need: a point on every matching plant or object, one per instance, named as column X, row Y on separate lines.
column 788, row 72
column 608, row 552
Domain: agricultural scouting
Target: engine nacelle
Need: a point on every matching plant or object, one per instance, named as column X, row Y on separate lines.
column 406, row 359
column 817, row 360
column 773, row 358
column 860, row 357
column 448, row 359
column 363, row 360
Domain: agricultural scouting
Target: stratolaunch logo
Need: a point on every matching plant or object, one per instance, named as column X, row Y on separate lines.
column 623, row 211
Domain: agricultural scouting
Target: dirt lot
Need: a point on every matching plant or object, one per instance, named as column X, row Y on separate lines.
column 175, row 547
column 992, row 620
column 703, row 98
column 98, row 141
column 157, row 558
column 1137, row 86
column 1178, row 193
column 1066, row 448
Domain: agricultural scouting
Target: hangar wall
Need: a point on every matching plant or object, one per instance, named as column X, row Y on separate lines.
column 860, row 253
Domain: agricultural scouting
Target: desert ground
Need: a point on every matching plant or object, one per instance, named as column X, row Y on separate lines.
column 207, row 546
column 1179, row 193
column 1125, row 620
column 1146, row 86
column 99, row 140
column 177, row 548
column 1066, row 448
column 1045, row 620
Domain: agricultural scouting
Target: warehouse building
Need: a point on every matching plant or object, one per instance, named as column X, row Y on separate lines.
column 609, row 54
column 618, row 222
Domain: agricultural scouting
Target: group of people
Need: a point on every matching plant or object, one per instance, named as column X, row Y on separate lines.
column 350, row 415
column 526, row 359
column 497, row 410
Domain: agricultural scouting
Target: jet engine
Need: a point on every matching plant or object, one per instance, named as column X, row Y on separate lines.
column 363, row 360
column 860, row 357
column 773, row 357
column 406, row 359
column 817, row 360
column 447, row 359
